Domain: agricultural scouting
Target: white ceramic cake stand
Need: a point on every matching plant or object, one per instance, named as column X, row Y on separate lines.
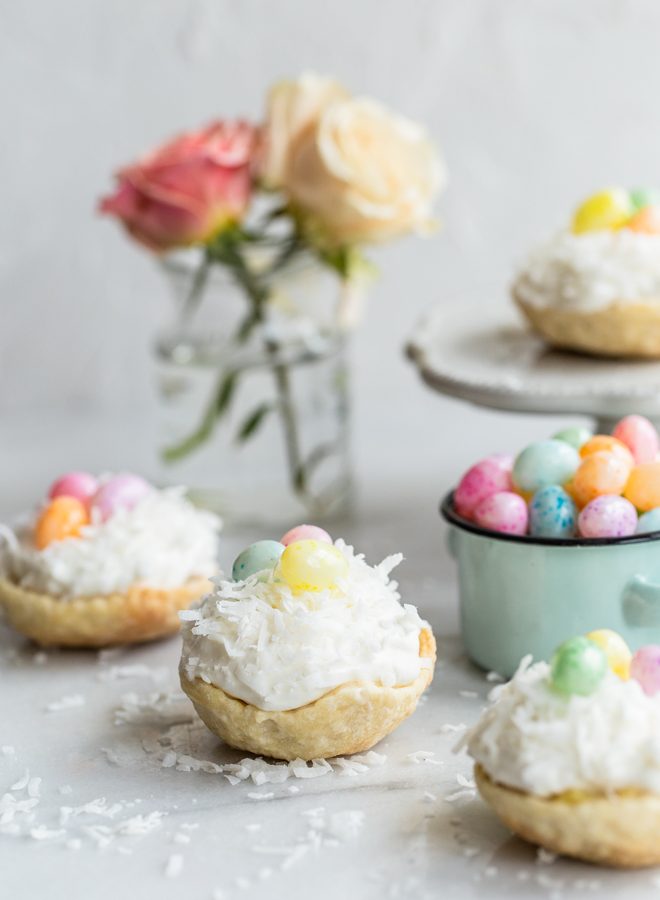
column 488, row 357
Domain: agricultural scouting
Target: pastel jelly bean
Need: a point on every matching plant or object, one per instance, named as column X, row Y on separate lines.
column 81, row 485
column 119, row 492
column 649, row 521
column 608, row 444
column 543, row 463
column 552, row 513
column 312, row 566
column 305, row 533
column 258, row 557
column 643, row 487
column 615, row 649
column 646, row 221
column 576, row 436
column 489, row 476
column 504, row 511
column 608, row 209
column 63, row 518
column 599, row 473
column 608, row 516
column 645, row 668
column 526, row 495
column 641, row 197
column 640, row 436
column 578, row 666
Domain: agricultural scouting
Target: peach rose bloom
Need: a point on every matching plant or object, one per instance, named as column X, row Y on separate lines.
column 293, row 107
column 190, row 189
column 354, row 171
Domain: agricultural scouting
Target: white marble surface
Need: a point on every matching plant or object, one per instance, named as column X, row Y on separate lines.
column 419, row 839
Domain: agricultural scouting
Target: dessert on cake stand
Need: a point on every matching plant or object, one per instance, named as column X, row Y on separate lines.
column 489, row 357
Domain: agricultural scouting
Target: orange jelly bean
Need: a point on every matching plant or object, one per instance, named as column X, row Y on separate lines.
column 646, row 221
column 63, row 518
column 600, row 473
column 608, row 444
column 643, row 488
column 526, row 495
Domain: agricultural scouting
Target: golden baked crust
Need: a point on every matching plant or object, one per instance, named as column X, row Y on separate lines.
column 141, row 613
column 350, row 719
column 618, row 330
column 620, row 829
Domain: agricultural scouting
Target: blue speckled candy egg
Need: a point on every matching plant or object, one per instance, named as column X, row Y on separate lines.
column 543, row 463
column 552, row 513
column 576, row 436
column 650, row 521
column 264, row 555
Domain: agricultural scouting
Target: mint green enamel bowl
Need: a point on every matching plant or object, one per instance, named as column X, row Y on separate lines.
column 524, row 595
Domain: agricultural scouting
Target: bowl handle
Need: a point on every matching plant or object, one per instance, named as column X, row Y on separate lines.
column 641, row 603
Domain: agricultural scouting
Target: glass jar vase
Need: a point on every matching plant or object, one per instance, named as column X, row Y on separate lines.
column 254, row 404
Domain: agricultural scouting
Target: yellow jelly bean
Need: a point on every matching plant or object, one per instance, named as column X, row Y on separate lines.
column 610, row 445
column 646, row 221
column 615, row 649
column 312, row 566
column 609, row 209
column 643, row 487
column 599, row 473
column 64, row 517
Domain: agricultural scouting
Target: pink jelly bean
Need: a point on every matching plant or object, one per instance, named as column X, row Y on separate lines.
column 80, row 485
column 305, row 533
column 505, row 511
column 490, row 476
column 120, row 492
column 608, row 516
column 645, row 668
column 640, row 436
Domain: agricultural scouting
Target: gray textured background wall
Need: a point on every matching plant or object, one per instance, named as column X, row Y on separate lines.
column 534, row 103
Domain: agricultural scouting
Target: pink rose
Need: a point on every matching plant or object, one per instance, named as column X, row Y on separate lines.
column 188, row 190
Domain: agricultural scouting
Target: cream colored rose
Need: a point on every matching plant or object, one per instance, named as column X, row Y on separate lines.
column 362, row 174
column 293, row 107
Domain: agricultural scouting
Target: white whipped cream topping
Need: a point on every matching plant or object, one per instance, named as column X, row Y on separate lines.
column 590, row 271
column 259, row 642
column 163, row 541
column 542, row 742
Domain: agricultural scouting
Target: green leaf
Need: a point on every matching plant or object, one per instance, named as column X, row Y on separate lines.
column 225, row 392
column 217, row 407
column 252, row 423
column 323, row 451
column 349, row 262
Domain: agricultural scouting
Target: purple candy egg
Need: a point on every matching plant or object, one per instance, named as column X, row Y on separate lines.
column 645, row 668
column 81, row 485
column 490, row 476
column 504, row 511
column 608, row 516
column 120, row 492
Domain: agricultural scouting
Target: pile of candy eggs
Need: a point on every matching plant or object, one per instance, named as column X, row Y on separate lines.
column 304, row 558
column 78, row 498
column 574, row 485
column 579, row 665
column 616, row 208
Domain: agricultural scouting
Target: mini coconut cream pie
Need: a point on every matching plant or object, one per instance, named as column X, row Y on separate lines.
column 568, row 754
column 595, row 287
column 307, row 652
column 106, row 561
